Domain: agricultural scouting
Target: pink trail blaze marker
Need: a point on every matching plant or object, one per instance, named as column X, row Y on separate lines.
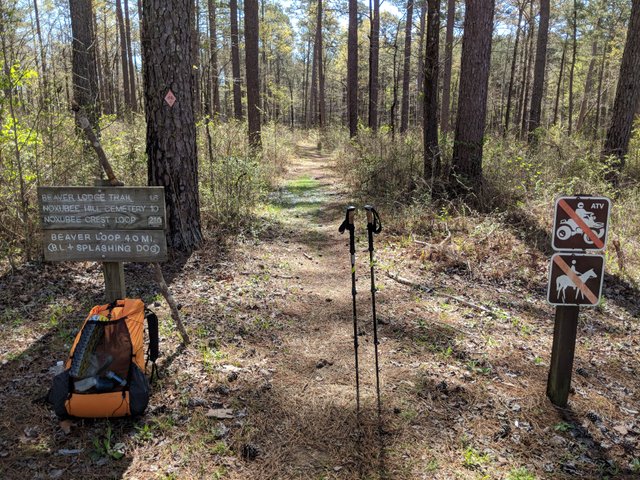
column 170, row 98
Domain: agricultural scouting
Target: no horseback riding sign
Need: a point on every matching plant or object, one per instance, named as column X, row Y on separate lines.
column 580, row 224
column 575, row 279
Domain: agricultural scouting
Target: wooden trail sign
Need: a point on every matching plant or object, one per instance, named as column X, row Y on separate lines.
column 581, row 223
column 105, row 224
column 575, row 279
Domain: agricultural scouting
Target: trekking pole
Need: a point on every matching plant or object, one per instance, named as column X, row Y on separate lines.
column 349, row 225
column 374, row 226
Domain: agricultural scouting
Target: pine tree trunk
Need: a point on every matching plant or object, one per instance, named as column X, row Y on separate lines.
column 322, row 109
column 124, row 62
column 85, row 73
column 406, row 69
column 539, row 69
column 527, row 83
column 109, row 105
column 588, row 86
column 431, row 71
column 321, row 100
column 352, row 69
column 305, row 83
column 313, row 102
column 374, row 58
column 43, row 58
column 171, row 131
column 195, row 55
column 573, row 63
column 596, row 127
column 132, row 71
column 472, row 105
column 235, row 60
column 527, row 53
column 512, row 77
column 627, row 100
column 420, row 76
column 445, row 122
column 559, row 87
column 213, row 60
column 251, row 36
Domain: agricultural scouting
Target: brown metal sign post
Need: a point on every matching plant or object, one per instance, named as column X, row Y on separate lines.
column 580, row 224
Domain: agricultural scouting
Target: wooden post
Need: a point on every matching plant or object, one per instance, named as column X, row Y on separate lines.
column 564, row 346
column 114, row 286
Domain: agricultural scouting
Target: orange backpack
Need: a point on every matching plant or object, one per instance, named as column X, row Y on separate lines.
column 104, row 374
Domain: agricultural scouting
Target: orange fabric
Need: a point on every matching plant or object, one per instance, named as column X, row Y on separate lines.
column 98, row 405
column 133, row 309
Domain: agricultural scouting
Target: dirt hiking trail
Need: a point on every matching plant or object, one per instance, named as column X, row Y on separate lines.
column 307, row 422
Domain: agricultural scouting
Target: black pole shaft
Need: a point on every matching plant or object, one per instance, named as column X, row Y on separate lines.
column 352, row 251
column 562, row 354
column 370, row 229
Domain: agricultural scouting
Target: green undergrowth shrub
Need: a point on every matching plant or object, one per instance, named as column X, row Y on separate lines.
column 233, row 178
column 377, row 166
column 520, row 186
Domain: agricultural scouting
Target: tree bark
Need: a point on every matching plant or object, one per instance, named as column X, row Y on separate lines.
column 313, row 95
column 195, row 55
column 124, row 62
column 512, row 77
column 466, row 171
column 588, row 86
column 527, row 79
column 406, row 69
column 108, row 91
column 213, row 60
column 235, row 60
column 445, row 122
column 596, row 127
column 627, row 99
column 352, row 69
column 171, row 132
column 431, row 70
column 573, row 63
column 420, row 76
column 85, row 73
column 559, row 87
column 43, row 58
column 132, row 71
column 539, row 69
column 251, row 35
column 374, row 58
column 321, row 93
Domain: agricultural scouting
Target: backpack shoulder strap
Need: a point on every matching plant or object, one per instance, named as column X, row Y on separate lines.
column 154, row 340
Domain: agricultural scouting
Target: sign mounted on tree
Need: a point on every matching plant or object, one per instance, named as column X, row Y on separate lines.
column 580, row 223
column 575, row 279
column 123, row 224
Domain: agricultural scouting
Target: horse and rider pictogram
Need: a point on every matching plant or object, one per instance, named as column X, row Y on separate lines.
column 580, row 223
column 575, row 279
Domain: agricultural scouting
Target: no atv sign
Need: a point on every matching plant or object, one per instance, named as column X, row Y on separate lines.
column 580, row 223
column 575, row 279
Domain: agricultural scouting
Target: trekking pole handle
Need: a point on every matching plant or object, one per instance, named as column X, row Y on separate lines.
column 348, row 219
column 373, row 219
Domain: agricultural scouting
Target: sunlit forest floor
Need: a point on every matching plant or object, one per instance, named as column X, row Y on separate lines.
column 266, row 389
